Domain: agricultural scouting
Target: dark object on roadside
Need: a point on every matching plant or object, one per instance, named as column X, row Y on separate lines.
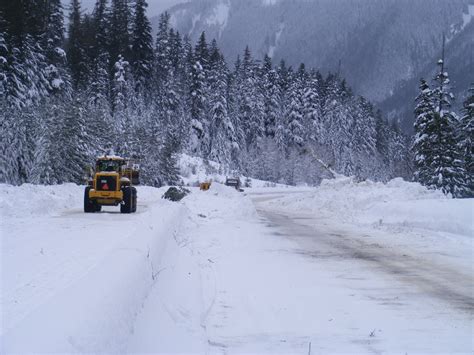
column 176, row 194
column 233, row 182
column 248, row 182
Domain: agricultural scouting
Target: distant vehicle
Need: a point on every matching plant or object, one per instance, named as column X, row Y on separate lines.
column 112, row 185
column 204, row 186
column 233, row 182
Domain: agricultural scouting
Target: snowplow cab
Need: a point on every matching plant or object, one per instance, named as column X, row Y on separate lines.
column 109, row 164
column 112, row 185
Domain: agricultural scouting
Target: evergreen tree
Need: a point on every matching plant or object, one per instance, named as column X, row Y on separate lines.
column 119, row 32
column 199, row 94
column 382, row 137
column 76, row 53
column 99, row 90
column 76, row 150
column 3, row 61
column 169, row 171
column 423, row 141
column 101, row 24
column 123, row 109
column 448, row 174
column 272, row 97
column 251, row 102
column 162, row 52
column 294, row 114
column 142, row 51
column 100, row 58
column 222, row 135
column 311, row 108
column 437, row 158
column 465, row 142
column 57, row 74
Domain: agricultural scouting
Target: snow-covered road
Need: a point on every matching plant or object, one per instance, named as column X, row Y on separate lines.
column 276, row 282
column 225, row 273
column 440, row 281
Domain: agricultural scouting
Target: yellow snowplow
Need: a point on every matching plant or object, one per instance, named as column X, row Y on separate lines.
column 111, row 185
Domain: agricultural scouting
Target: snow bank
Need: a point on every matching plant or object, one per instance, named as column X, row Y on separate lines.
column 27, row 199
column 398, row 205
column 222, row 201
column 75, row 282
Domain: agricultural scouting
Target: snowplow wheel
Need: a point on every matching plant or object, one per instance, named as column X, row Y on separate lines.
column 134, row 199
column 89, row 205
column 127, row 205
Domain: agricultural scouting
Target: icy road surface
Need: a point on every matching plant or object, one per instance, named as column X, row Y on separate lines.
column 224, row 273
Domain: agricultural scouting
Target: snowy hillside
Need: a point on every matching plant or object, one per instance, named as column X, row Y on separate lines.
column 399, row 105
column 380, row 44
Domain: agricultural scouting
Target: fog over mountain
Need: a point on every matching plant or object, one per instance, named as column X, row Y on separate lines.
column 376, row 45
column 155, row 7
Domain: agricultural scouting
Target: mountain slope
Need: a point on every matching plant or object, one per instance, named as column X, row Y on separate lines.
column 376, row 45
column 459, row 63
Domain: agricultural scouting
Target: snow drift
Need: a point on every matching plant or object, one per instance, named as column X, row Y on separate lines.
column 75, row 282
column 398, row 205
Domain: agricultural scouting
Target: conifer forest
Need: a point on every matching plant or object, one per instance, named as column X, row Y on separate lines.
column 102, row 83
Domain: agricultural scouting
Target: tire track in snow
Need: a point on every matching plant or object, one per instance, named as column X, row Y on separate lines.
column 432, row 280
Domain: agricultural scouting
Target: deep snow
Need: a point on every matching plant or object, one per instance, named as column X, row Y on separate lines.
column 400, row 214
column 270, row 271
column 73, row 281
column 398, row 205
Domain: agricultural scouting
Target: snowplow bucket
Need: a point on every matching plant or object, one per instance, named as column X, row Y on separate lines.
column 133, row 175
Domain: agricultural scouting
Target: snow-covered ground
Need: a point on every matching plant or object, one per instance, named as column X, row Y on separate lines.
column 346, row 268
column 399, row 212
column 72, row 281
column 194, row 170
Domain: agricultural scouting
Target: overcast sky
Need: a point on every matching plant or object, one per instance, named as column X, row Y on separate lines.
column 155, row 7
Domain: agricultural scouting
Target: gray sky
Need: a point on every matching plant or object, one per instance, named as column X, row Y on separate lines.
column 155, row 7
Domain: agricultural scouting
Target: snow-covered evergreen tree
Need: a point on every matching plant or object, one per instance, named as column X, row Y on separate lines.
column 113, row 92
column 423, row 144
column 76, row 51
column 199, row 142
column 123, row 107
column 251, row 102
column 221, row 130
column 312, row 108
column 438, row 161
column 295, row 110
column 466, row 141
column 142, row 50
column 272, row 97
column 119, row 31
